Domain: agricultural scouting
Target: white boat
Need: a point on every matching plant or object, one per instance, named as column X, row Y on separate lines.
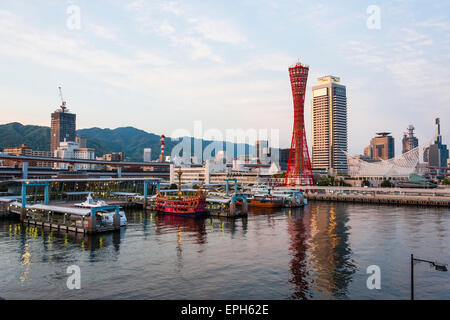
column 260, row 190
column 297, row 198
column 107, row 214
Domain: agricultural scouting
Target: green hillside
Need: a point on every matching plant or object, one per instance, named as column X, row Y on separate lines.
column 130, row 140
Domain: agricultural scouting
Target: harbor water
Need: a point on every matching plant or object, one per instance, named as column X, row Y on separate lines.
column 321, row 251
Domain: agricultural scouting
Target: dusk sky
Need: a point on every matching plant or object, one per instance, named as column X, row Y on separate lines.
column 161, row 65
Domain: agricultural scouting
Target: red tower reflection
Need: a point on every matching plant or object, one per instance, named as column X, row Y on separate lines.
column 299, row 171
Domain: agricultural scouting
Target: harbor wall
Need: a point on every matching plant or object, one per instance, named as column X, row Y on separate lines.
column 382, row 199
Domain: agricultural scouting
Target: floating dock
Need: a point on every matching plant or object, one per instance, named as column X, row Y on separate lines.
column 65, row 218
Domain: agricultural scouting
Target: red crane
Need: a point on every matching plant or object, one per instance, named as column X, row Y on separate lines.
column 63, row 103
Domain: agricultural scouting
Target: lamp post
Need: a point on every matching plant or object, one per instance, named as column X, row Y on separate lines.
column 437, row 266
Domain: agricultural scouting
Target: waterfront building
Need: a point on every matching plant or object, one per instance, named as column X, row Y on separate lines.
column 214, row 171
column 113, row 156
column 72, row 150
column 24, row 150
column 63, row 126
column 147, row 156
column 368, row 153
column 409, row 141
column 437, row 154
column 81, row 141
column 262, row 151
column 284, row 158
column 382, row 146
column 329, row 125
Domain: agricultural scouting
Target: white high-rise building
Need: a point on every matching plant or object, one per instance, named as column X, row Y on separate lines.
column 147, row 154
column 72, row 150
column 329, row 125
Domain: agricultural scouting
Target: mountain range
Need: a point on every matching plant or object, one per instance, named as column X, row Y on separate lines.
column 129, row 140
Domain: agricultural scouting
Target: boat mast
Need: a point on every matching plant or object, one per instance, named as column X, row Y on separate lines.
column 179, row 173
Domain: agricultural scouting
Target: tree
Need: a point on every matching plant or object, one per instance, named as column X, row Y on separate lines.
column 324, row 181
column 279, row 175
column 365, row 183
column 446, row 181
column 386, row 184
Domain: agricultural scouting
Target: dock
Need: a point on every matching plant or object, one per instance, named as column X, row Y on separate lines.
column 65, row 218
column 409, row 200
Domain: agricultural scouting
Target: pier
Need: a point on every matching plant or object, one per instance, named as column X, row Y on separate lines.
column 54, row 203
column 397, row 196
column 383, row 199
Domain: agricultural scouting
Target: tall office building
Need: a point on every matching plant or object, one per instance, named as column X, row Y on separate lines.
column 409, row 141
column 437, row 154
column 62, row 127
column 382, row 146
column 329, row 125
column 262, row 151
column 147, row 155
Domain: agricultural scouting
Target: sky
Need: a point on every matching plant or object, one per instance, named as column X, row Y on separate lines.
column 162, row 65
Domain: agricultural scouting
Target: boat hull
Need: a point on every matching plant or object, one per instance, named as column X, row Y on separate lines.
column 185, row 207
column 263, row 203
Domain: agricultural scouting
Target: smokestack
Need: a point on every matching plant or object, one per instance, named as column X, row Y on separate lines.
column 161, row 156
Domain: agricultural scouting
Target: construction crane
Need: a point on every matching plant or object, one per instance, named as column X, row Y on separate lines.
column 63, row 103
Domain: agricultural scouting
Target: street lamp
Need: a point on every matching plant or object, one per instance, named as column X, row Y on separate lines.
column 437, row 266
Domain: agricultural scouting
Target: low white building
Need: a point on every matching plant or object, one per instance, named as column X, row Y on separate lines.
column 217, row 171
column 72, row 150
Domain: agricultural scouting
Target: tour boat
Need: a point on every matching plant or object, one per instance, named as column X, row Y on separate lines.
column 180, row 204
column 266, row 201
column 108, row 215
column 260, row 190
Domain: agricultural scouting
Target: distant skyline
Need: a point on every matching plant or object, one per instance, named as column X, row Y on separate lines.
column 161, row 65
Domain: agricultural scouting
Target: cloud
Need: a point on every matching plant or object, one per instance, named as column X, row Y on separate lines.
column 438, row 25
column 194, row 32
column 102, row 32
column 217, row 30
column 197, row 48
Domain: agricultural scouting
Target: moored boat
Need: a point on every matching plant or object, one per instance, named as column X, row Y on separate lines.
column 187, row 205
column 107, row 215
column 263, row 202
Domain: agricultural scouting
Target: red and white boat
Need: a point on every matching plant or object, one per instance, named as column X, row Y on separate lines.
column 186, row 205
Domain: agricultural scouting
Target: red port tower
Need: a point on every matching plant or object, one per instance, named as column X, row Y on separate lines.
column 299, row 171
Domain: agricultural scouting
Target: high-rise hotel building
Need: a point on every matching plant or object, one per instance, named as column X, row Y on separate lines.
column 329, row 125
column 62, row 127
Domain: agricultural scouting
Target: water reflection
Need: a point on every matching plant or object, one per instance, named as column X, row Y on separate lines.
column 194, row 228
column 56, row 246
column 304, row 253
column 330, row 262
column 298, row 229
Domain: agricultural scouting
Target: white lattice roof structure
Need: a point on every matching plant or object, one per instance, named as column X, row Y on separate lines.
column 401, row 166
